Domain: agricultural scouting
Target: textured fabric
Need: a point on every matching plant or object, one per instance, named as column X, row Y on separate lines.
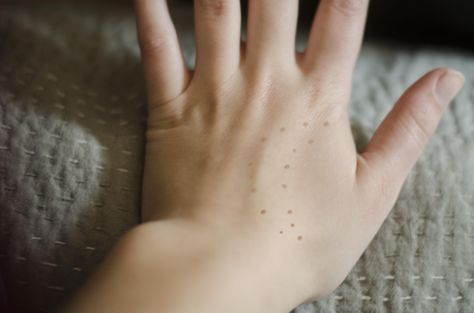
column 72, row 120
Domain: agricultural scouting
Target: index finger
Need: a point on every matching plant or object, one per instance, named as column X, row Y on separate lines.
column 336, row 37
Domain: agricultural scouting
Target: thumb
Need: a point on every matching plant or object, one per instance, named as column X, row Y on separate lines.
column 400, row 139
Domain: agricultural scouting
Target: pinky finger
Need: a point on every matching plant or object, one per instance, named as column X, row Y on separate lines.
column 166, row 72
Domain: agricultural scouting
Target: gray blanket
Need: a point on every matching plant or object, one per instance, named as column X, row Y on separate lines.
column 72, row 113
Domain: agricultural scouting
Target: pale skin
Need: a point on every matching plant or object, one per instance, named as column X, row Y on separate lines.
column 254, row 196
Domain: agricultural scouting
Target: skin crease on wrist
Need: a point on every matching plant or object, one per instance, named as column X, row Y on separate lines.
column 254, row 196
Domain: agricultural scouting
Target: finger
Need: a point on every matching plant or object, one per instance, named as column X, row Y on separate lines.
column 217, row 38
column 271, row 31
column 402, row 136
column 166, row 72
column 336, row 37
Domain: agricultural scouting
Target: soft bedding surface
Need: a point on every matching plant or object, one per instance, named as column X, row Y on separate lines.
column 72, row 120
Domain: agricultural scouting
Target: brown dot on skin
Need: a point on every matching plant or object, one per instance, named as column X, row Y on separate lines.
column 281, row 231
column 326, row 124
column 254, row 189
column 310, row 142
column 300, row 237
column 290, row 211
column 250, row 164
column 263, row 212
column 305, row 124
column 263, row 139
column 284, row 186
column 294, row 150
column 282, row 129
column 292, row 225
column 287, row 166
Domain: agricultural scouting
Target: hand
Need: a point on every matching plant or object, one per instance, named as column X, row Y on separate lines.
column 256, row 144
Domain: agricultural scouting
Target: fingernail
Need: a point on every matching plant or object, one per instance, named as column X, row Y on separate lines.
column 448, row 86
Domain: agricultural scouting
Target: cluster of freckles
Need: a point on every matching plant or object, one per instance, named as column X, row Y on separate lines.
column 263, row 212
column 286, row 167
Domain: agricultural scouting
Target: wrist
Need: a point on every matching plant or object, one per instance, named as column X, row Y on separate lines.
column 177, row 266
column 211, row 271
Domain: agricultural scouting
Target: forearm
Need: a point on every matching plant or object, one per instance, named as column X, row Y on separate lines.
column 178, row 268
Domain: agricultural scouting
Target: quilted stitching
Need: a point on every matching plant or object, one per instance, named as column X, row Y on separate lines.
column 72, row 119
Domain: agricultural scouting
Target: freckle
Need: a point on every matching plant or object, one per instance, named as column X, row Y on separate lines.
column 300, row 237
column 282, row 129
column 284, row 186
column 326, row 124
column 287, row 166
column 292, row 225
column 281, row 231
column 310, row 142
column 294, row 150
column 290, row 211
column 250, row 164
column 263, row 139
column 263, row 212
column 254, row 189
column 305, row 124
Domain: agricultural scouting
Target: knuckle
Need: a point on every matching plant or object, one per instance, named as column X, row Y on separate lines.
column 418, row 122
column 213, row 8
column 153, row 45
column 334, row 112
column 383, row 185
column 348, row 7
column 166, row 115
column 260, row 83
column 329, row 102
column 329, row 89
